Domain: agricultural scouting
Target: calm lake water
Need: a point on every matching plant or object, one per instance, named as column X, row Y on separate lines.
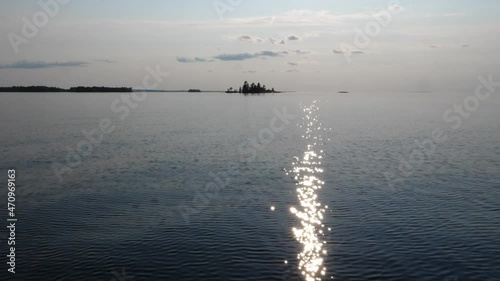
column 211, row 186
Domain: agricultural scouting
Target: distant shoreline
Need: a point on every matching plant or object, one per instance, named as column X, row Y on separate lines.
column 80, row 89
column 93, row 89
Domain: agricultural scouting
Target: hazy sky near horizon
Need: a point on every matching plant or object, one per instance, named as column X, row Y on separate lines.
column 289, row 45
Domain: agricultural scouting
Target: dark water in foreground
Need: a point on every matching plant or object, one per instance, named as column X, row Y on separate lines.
column 117, row 215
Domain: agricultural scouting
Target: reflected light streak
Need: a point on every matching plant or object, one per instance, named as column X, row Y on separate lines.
column 310, row 213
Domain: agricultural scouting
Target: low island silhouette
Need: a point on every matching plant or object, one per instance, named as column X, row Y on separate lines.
column 251, row 89
column 79, row 89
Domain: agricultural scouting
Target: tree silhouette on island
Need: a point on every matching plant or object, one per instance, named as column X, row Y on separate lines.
column 251, row 89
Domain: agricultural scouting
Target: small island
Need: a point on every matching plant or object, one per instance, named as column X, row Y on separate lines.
column 251, row 89
column 194, row 90
column 79, row 89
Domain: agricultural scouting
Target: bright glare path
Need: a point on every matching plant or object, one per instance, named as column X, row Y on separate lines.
column 310, row 213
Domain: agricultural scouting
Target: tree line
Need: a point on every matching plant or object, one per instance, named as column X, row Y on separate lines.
column 251, row 89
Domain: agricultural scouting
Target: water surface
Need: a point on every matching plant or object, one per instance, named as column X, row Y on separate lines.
column 123, row 208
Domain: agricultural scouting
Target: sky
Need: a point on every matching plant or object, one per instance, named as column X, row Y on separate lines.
column 301, row 45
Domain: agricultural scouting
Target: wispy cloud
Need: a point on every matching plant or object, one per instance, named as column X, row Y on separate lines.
column 230, row 57
column 302, row 18
column 340, row 52
column 107, row 61
column 249, row 71
column 196, row 59
column 245, row 37
column 294, row 17
column 276, row 41
column 293, row 38
column 249, row 38
column 292, row 63
column 41, row 64
column 446, row 15
column 245, row 56
column 292, row 70
column 270, row 53
column 299, row 52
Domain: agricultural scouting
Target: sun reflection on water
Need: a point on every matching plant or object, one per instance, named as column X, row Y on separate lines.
column 310, row 212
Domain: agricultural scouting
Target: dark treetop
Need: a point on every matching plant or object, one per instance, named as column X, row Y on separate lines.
column 251, row 89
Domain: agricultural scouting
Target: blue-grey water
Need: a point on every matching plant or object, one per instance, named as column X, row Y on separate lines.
column 201, row 186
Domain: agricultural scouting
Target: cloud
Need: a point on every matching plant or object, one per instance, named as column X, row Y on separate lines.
column 249, row 38
column 276, row 41
column 231, row 57
column 433, row 46
column 340, row 52
column 245, row 56
column 196, row 59
column 292, row 63
column 107, row 61
column 293, row 38
column 249, row 71
column 299, row 52
column 270, row 53
column 245, row 37
column 446, row 15
column 294, row 17
column 41, row 64
column 465, row 45
column 292, row 70
column 304, row 18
